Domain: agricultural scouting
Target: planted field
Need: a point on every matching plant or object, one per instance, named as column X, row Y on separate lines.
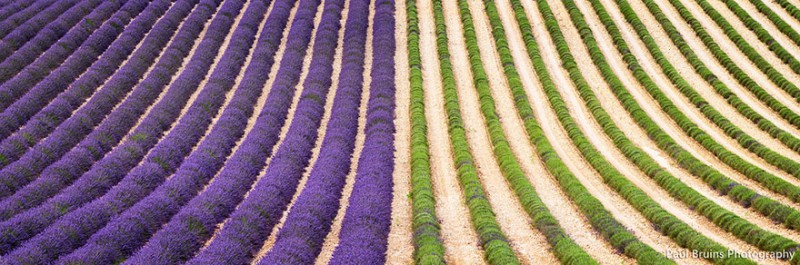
column 399, row 131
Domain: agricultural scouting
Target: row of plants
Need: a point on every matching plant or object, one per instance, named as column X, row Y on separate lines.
column 9, row 24
column 102, row 138
column 781, row 25
column 128, row 231
column 741, row 228
column 494, row 242
column 739, row 193
column 177, row 240
column 11, row 7
column 603, row 221
column 123, row 169
column 664, row 221
column 253, row 220
column 428, row 246
column 36, row 158
column 743, row 78
column 789, row 8
column 21, row 34
column 363, row 238
column 16, row 139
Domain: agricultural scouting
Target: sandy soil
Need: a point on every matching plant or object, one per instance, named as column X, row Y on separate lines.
column 332, row 239
column 637, row 135
column 530, row 245
column 724, row 76
column 321, row 131
column 401, row 246
column 783, row 14
column 759, row 46
column 767, row 24
column 292, row 108
column 459, row 239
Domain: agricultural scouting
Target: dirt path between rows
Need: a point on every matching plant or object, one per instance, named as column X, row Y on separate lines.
column 460, row 240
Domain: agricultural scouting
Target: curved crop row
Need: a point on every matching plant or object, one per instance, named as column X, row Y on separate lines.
column 365, row 227
column 12, row 8
column 428, row 246
column 186, row 233
column 9, row 24
column 111, row 170
column 300, row 239
column 723, row 218
column 25, row 32
column 113, row 128
column 493, row 240
column 129, row 230
column 789, row 8
column 602, row 221
column 75, row 128
column 781, row 25
column 245, row 230
column 664, row 221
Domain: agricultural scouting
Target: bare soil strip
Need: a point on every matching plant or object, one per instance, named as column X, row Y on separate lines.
column 332, row 239
column 759, row 46
column 295, row 99
column 459, row 239
column 529, row 244
column 337, row 67
column 724, row 76
column 639, row 136
column 782, row 13
column 401, row 247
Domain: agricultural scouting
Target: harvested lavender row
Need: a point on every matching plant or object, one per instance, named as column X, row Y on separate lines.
column 365, row 228
column 196, row 222
column 24, row 75
column 72, row 55
column 26, row 54
column 76, row 127
column 128, row 231
column 23, row 33
column 108, row 134
column 300, row 239
column 160, row 163
column 12, row 8
column 22, row 16
column 111, row 169
column 244, row 232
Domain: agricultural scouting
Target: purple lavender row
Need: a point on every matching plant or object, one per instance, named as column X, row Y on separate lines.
column 25, row 32
column 10, row 7
column 25, row 55
column 127, row 232
column 248, row 226
column 300, row 239
column 24, row 76
column 75, row 128
column 365, row 228
column 178, row 240
column 108, row 134
column 20, row 17
column 85, row 43
column 111, row 169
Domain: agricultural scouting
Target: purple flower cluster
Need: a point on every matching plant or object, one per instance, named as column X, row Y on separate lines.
column 20, row 17
column 39, row 85
column 130, row 230
column 27, row 53
column 10, row 7
column 48, row 56
column 179, row 239
column 105, row 136
column 300, row 239
column 75, row 128
column 251, row 222
column 365, row 228
column 23, row 33
column 112, row 168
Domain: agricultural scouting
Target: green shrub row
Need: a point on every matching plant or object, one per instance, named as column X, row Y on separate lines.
column 749, row 51
column 428, row 248
column 766, row 206
column 665, row 222
column 791, row 9
column 601, row 220
column 495, row 244
column 726, row 61
column 782, row 27
column 726, row 220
